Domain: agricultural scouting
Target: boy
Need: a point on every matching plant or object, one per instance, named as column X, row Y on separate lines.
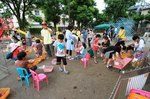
column 60, row 53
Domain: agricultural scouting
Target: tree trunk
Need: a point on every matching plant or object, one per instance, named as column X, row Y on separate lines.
column 55, row 26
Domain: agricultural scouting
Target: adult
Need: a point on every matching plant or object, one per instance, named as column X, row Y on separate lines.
column 122, row 34
column 28, row 38
column 139, row 43
column 47, row 39
column 69, row 41
column 84, row 33
column 111, row 32
column 15, row 48
column 90, row 36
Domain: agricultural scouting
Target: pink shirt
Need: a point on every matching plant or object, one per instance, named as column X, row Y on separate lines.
column 95, row 44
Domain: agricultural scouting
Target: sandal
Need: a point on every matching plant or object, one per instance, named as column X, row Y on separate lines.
column 95, row 62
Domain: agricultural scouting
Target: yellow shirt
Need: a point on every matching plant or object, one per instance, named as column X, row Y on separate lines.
column 46, row 34
column 121, row 34
column 78, row 34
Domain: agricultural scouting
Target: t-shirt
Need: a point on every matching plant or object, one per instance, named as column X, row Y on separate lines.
column 46, row 33
column 121, row 34
column 114, row 49
column 39, row 48
column 140, row 46
column 95, row 43
column 106, row 44
column 60, row 48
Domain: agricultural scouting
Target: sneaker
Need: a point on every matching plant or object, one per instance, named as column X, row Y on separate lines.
column 68, row 57
column 60, row 69
column 66, row 72
column 108, row 66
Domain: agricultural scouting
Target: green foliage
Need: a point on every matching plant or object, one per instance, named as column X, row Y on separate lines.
column 20, row 8
column 118, row 8
column 82, row 11
column 51, row 9
column 36, row 18
column 6, row 13
column 147, row 17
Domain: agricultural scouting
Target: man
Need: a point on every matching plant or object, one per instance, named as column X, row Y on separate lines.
column 122, row 34
column 139, row 44
column 84, row 33
column 47, row 40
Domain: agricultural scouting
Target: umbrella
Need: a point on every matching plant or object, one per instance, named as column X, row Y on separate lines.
column 102, row 26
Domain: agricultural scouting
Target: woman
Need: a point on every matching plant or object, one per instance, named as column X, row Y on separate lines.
column 69, row 42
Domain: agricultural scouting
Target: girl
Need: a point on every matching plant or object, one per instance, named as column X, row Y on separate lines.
column 39, row 48
column 95, row 47
column 81, row 51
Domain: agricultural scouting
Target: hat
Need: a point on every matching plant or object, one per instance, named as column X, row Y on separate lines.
column 13, row 46
column 44, row 23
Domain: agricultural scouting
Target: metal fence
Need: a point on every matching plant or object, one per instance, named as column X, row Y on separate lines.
column 137, row 79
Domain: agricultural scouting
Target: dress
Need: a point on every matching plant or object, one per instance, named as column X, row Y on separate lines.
column 70, row 40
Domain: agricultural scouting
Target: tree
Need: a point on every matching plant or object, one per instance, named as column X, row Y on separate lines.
column 117, row 8
column 19, row 8
column 6, row 12
column 52, row 10
column 82, row 11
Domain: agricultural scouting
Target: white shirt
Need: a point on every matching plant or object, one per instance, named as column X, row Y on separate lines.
column 140, row 46
column 46, row 34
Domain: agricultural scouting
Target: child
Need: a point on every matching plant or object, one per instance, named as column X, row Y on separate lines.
column 95, row 47
column 127, row 52
column 23, row 62
column 39, row 48
column 105, row 44
column 60, row 53
column 111, row 51
column 81, row 51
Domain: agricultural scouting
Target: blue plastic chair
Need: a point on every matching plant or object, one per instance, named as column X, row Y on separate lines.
column 22, row 72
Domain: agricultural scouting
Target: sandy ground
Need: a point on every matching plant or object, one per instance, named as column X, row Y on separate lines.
column 95, row 82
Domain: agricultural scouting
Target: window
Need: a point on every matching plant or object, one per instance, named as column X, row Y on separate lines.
column 37, row 12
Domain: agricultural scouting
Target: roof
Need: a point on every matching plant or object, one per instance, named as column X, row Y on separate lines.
column 141, row 6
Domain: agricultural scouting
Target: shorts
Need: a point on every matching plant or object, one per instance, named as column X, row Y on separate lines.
column 109, row 54
column 63, row 60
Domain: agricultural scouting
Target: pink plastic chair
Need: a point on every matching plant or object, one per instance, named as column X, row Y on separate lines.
column 37, row 78
column 141, row 92
column 85, row 60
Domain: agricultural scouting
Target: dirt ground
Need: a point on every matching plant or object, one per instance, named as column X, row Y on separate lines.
column 94, row 82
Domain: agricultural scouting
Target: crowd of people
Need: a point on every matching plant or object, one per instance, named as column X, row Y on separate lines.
column 73, row 44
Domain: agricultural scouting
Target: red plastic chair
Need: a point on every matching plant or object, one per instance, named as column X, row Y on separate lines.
column 37, row 78
column 85, row 60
